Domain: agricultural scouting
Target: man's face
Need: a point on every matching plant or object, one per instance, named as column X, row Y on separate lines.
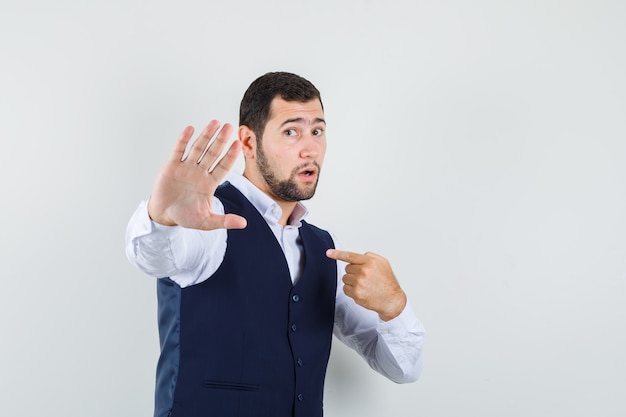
column 290, row 155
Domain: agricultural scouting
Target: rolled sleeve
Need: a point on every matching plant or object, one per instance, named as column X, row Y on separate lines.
column 404, row 340
column 187, row 256
column 392, row 348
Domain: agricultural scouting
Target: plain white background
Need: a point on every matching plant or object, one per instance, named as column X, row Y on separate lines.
column 478, row 145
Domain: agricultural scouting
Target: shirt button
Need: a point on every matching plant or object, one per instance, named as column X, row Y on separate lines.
column 300, row 397
column 295, row 298
column 294, row 327
column 299, row 361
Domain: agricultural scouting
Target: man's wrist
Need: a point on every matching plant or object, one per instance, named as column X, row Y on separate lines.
column 395, row 308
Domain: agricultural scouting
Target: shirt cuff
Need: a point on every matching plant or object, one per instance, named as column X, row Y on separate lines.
column 407, row 320
column 141, row 224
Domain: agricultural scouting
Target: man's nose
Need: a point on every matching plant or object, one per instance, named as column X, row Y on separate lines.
column 311, row 147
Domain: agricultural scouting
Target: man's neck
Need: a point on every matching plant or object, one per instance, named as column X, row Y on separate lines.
column 286, row 207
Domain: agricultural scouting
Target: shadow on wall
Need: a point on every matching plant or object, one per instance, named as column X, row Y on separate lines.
column 349, row 389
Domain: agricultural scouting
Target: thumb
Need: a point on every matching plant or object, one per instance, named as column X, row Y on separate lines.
column 234, row 221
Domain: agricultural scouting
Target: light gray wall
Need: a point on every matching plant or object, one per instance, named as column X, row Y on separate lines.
column 478, row 145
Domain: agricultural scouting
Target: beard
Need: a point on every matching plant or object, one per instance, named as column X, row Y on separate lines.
column 286, row 190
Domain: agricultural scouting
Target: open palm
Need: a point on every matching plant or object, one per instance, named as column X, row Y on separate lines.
column 185, row 186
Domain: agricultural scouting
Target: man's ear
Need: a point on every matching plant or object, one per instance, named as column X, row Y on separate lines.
column 248, row 141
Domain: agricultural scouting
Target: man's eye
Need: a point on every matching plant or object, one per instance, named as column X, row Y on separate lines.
column 290, row 132
column 317, row 132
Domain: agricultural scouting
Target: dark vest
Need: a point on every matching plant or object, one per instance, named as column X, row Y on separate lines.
column 247, row 342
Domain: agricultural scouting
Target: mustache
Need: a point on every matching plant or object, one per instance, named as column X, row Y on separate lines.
column 307, row 165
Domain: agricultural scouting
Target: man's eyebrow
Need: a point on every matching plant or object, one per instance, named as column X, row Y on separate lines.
column 302, row 120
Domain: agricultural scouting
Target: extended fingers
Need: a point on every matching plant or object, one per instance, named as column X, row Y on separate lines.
column 181, row 144
column 228, row 160
column 204, row 154
column 197, row 147
column 206, row 151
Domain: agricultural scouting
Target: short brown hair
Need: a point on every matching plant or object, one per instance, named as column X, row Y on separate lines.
column 255, row 107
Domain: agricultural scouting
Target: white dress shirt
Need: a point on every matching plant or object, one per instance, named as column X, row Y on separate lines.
column 189, row 256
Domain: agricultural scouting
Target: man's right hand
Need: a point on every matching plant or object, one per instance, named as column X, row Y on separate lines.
column 184, row 188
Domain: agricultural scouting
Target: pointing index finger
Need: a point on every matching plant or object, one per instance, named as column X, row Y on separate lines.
column 346, row 256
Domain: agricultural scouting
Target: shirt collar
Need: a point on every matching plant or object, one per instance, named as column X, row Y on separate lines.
column 264, row 203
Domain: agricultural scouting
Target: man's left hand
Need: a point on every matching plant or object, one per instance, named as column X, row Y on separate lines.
column 370, row 282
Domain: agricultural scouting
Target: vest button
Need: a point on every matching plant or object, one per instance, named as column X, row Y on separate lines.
column 295, row 298
column 299, row 362
column 300, row 397
column 294, row 327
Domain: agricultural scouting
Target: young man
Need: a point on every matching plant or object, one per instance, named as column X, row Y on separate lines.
column 248, row 291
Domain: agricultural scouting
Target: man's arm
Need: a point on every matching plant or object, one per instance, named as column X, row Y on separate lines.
column 374, row 317
column 392, row 348
column 181, row 231
column 187, row 256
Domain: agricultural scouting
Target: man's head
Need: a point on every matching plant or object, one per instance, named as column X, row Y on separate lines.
column 255, row 107
column 282, row 130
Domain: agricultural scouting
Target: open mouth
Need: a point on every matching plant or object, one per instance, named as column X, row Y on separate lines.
column 308, row 172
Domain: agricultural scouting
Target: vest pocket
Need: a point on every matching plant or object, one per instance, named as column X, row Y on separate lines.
column 237, row 386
